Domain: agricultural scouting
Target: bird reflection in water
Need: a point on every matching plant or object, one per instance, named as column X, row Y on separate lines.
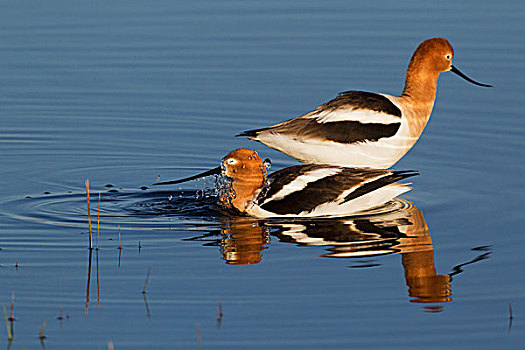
column 243, row 241
column 402, row 230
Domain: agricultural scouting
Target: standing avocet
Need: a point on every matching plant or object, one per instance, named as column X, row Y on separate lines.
column 365, row 129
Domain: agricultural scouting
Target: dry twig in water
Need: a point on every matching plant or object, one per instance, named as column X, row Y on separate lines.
column 199, row 337
column 119, row 241
column 146, row 282
column 41, row 334
column 7, row 326
column 89, row 215
column 219, row 315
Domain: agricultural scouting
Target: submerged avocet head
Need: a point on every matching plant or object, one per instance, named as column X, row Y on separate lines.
column 245, row 175
column 244, row 165
column 242, row 174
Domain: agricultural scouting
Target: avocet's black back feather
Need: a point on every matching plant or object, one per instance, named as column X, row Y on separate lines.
column 323, row 190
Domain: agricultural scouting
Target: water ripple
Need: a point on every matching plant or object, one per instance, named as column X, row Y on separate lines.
column 143, row 210
column 146, row 209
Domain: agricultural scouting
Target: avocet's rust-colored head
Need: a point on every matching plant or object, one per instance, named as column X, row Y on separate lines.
column 248, row 173
column 244, row 165
column 432, row 57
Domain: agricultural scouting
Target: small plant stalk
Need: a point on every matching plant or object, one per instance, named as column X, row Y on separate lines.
column 41, row 334
column 146, row 282
column 89, row 215
column 7, row 326
column 119, row 241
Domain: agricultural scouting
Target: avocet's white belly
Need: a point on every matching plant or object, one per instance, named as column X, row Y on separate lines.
column 383, row 153
column 375, row 154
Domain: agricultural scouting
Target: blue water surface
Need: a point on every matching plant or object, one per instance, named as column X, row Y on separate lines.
column 121, row 92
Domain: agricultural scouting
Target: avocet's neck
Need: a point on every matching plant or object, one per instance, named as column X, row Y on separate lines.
column 245, row 191
column 420, row 85
column 418, row 96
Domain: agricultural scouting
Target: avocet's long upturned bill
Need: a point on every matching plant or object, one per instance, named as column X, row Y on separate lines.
column 312, row 190
column 364, row 129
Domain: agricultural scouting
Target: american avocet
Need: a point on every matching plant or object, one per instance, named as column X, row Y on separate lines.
column 311, row 190
column 364, row 129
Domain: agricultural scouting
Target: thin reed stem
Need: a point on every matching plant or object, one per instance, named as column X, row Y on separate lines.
column 199, row 337
column 119, row 241
column 89, row 215
column 12, row 315
column 146, row 282
column 7, row 326
column 41, row 334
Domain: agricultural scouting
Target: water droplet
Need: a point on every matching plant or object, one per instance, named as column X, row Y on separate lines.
column 267, row 163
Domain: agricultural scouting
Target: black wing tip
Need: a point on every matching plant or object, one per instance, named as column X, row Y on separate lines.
column 389, row 179
column 252, row 134
column 405, row 173
column 402, row 174
column 248, row 133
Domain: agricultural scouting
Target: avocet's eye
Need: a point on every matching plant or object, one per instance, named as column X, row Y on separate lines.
column 231, row 161
column 448, row 56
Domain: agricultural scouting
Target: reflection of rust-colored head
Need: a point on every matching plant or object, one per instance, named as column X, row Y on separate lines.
column 243, row 242
column 424, row 284
column 248, row 174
